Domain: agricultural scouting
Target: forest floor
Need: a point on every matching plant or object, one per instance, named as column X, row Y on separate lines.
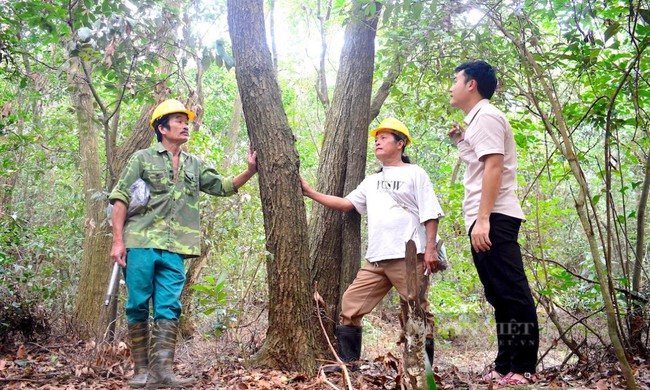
column 61, row 362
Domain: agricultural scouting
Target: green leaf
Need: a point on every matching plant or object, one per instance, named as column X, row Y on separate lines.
column 623, row 281
column 612, row 30
column 221, row 51
column 645, row 15
column 199, row 287
column 521, row 140
column 431, row 380
column 229, row 61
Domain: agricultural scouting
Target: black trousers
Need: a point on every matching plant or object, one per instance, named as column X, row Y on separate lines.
column 501, row 271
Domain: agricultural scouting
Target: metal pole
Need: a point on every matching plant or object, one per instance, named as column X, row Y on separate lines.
column 112, row 283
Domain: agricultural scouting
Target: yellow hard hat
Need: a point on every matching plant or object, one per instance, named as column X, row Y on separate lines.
column 169, row 106
column 392, row 124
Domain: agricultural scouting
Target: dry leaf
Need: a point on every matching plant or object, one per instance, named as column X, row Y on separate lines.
column 21, row 354
column 602, row 385
column 6, row 110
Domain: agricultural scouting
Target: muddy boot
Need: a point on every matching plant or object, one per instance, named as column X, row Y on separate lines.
column 429, row 347
column 161, row 357
column 139, row 335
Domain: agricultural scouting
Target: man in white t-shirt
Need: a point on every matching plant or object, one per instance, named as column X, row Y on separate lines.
column 401, row 206
column 493, row 217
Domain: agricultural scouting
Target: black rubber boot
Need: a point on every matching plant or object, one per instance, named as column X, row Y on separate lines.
column 349, row 338
column 429, row 347
column 161, row 359
column 139, row 335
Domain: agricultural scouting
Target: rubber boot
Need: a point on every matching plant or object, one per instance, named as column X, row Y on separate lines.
column 349, row 338
column 139, row 335
column 161, row 357
column 429, row 346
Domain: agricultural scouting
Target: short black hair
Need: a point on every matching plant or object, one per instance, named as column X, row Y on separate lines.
column 484, row 74
column 162, row 121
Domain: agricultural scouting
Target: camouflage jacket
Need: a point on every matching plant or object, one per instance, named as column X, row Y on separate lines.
column 171, row 220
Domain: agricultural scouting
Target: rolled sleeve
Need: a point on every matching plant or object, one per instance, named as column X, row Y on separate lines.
column 118, row 195
column 229, row 186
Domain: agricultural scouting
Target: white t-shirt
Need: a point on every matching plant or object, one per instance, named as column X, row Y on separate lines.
column 390, row 225
column 488, row 132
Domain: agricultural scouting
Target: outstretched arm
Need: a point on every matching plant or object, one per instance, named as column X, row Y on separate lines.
column 331, row 201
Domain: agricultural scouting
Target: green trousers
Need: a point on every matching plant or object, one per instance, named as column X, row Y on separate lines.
column 153, row 275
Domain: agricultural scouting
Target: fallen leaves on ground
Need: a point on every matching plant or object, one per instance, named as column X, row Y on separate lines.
column 74, row 365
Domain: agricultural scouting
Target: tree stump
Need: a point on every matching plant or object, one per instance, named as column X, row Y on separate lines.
column 414, row 322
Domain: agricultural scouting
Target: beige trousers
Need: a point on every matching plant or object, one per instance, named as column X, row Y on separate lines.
column 371, row 285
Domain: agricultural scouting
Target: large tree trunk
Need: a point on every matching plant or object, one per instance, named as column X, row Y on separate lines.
column 290, row 338
column 335, row 238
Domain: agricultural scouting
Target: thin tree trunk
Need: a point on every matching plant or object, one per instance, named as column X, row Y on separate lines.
column 274, row 50
column 95, row 269
column 385, row 87
column 290, row 338
column 637, row 323
column 321, row 80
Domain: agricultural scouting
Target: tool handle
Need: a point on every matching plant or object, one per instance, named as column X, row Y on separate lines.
column 112, row 283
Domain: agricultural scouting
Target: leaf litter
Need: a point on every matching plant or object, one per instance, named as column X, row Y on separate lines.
column 220, row 363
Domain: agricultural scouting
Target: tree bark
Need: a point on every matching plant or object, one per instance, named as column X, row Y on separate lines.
column 335, row 238
column 290, row 338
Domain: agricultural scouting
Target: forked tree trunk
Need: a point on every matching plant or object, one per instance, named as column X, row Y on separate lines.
column 290, row 338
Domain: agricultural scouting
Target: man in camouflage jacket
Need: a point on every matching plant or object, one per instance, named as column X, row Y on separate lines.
column 152, row 244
